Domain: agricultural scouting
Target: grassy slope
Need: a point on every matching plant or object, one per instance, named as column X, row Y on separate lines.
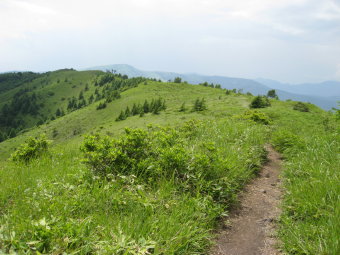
column 311, row 203
column 89, row 119
column 63, row 84
column 161, row 217
column 311, row 216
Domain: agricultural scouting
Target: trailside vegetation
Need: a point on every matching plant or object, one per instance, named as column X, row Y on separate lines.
column 154, row 191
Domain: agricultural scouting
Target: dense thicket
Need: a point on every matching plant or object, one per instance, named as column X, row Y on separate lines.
column 12, row 80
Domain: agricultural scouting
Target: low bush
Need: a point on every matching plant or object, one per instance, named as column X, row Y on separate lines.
column 301, row 107
column 256, row 116
column 32, row 148
column 260, row 102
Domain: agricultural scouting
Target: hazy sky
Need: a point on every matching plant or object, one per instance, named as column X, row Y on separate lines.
column 287, row 40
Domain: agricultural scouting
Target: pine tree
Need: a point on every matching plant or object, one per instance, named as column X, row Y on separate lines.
column 134, row 110
column 81, row 95
column 58, row 112
column 146, row 106
column 127, row 111
column 121, row 116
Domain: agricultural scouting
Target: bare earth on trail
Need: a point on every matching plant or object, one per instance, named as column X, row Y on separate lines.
column 251, row 227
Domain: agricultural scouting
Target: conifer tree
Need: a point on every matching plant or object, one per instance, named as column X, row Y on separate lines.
column 134, row 110
column 146, row 106
column 121, row 116
column 127, row 111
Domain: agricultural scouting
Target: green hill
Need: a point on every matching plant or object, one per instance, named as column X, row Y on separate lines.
column 158, row 181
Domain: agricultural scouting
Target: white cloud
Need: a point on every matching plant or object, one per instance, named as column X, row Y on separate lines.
column 204, row 32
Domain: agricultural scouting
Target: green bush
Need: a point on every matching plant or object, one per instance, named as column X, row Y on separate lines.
column 302, row 107
column 256, row 116
column 260, row 102
column 32, row 148
column 159, row 153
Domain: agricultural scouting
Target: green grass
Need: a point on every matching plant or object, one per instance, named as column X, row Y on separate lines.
column 311, row 206
column 56, row 204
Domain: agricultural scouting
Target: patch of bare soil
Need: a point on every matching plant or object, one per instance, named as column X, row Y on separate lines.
column 250, row 228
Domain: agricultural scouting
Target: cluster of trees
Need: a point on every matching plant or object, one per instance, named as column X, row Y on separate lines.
column 260, row 102
column 272, row 94
column 211, row 85
column 12, row 80
column 263, row 101
column 198, row 106
column 11, row 115
column 155, row 107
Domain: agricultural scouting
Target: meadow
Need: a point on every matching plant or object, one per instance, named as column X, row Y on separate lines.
column 160, row 183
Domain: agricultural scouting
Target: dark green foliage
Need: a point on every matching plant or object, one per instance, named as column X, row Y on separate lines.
column 121, row 116
column 259, row 102
column 177, row 80
column 199, row 105
column 211, row 85
column 24, row 102
column 31, row 149
column 146, row 106
column 91, row 99
column 161, row 153
column 101, row 106
column 81, row 95
column 10, row 81
column 127, row 112
column 228, row 91
column 272, row 94
column 135, row 110
column 301, row 107
column 155, row 107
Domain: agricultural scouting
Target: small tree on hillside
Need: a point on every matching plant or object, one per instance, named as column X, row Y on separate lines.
column 177, row 80
column 272, row 94
column 301, row 107
column 121, row 116
column 260, row 102
column 199, row 105
column 146, row 106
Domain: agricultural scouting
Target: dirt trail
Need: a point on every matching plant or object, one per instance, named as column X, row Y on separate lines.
column 250, row 227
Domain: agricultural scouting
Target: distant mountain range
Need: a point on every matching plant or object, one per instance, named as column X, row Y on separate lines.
column 324, row 94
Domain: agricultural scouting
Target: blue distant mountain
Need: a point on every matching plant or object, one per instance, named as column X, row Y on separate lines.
column 325, row 94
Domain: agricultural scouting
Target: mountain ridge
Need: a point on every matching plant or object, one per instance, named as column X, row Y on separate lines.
column 326, row 101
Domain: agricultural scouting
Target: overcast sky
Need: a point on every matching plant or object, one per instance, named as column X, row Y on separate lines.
column 287, row 40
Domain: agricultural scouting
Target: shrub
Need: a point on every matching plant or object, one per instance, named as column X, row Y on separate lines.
column 256, row 116
column 272, row 94
column 101, row 106
column 199, row 105
column 31, row 149
column 259, row 102
column 301, row 107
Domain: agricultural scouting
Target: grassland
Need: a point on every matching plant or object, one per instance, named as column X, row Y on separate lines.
column 57, row 204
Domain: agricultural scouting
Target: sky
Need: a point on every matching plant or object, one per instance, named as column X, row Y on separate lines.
column 291, row 41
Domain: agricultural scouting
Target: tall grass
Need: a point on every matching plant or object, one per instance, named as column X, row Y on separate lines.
column 310, row 223
column 56, row 204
